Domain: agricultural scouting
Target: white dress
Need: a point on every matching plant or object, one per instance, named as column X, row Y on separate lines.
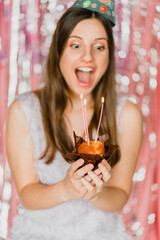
column 72, row 220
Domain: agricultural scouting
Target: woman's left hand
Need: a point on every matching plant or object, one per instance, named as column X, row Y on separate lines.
column 96, row 180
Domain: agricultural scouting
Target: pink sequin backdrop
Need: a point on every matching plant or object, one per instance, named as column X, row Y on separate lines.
column 137, row 38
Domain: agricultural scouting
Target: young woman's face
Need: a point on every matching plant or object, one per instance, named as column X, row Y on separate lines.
column 84, row 59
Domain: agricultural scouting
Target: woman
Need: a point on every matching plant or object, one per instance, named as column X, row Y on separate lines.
column 58, row 199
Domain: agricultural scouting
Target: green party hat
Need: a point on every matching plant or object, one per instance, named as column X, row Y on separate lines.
column 105, row 7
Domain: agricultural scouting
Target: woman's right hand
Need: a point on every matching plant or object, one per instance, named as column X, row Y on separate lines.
column 72, row 184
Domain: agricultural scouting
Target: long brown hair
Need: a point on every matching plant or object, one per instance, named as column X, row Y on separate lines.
column 56, row 92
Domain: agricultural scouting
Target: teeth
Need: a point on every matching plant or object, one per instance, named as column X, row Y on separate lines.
column 85, row 69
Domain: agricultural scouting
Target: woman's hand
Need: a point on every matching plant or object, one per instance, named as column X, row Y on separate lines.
column 72, row 185
column 96, row 180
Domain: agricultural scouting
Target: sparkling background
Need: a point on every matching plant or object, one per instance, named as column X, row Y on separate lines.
column 26, row 28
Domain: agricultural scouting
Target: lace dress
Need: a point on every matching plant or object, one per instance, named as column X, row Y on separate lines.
column 72, row 220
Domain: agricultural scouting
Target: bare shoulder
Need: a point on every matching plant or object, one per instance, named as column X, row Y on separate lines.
column 131, row 124
column 15, row 115
column 129, row 141
column 130, row 116
column 14, row 108
column 17, row 127
column 19, row 146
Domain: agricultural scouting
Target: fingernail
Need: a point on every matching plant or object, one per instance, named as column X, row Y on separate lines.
column 91, row 165
column 81, row 160
column 82, row 179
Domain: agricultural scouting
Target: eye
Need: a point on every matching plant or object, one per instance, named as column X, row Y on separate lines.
column 99, row 47
column 75, row 45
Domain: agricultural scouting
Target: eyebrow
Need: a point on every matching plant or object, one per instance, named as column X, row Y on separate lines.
column 101, row 38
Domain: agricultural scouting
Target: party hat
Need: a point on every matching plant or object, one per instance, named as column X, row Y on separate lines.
column 105, row 7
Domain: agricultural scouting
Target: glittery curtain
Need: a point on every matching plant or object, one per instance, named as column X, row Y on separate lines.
column 26, row 28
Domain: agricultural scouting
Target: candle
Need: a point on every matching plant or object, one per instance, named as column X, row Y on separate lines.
column 86, row 123
column 102, row 101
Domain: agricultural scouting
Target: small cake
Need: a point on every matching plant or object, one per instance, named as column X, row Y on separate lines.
column 94, row 152
column 93, row 148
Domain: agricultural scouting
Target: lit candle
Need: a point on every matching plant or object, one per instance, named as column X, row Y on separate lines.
column 86, row 123
column 102, row 101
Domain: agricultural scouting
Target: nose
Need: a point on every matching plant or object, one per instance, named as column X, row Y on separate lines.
column 87, row 55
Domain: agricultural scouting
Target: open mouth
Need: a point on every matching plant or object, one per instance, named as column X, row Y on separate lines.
column 84, row 75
